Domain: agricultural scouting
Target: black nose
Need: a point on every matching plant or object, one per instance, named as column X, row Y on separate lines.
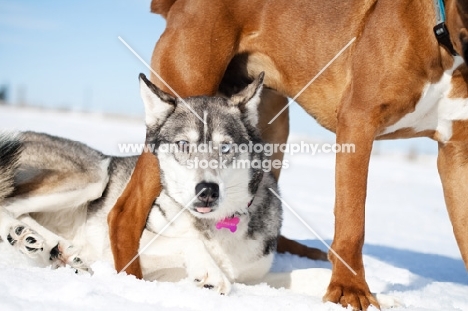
column 210, row 194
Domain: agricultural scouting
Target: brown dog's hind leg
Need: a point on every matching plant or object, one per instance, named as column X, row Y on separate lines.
column 286, row 245
column 127, row 219
column 277, row 133
column 453, row 169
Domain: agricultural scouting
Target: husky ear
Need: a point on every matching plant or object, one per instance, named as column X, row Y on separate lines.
column 249, row 98
column 158, row 105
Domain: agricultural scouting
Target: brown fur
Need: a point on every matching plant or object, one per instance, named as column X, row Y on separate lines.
column 209, row 44
column 460, row 83
column 290, row 246
column 162, row 7
column 453, row 169
column 127, row 219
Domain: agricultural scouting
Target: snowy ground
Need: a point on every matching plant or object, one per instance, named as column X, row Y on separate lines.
column 410, row 251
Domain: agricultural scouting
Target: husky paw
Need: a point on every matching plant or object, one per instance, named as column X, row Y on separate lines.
column 26, row 240
column 388, row 302
column 215, row 280
column 64, row 254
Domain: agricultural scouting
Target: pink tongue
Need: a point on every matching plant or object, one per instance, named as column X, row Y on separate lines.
column 203, row 209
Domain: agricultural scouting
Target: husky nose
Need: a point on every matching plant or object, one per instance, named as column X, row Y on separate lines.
column 210, row 194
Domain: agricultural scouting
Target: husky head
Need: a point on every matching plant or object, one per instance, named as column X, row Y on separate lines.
column 205, row 147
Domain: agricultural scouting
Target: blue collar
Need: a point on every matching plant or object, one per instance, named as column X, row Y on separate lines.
column 440, row 11
column 440, row 30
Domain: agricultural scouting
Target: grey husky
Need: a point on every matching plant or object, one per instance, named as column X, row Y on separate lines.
column 214, row 224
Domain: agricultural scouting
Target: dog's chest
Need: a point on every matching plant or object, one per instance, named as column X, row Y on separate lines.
column 436, row 110
column 239, row 255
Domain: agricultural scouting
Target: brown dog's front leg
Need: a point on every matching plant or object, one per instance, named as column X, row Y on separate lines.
column 127, row 219
column 348, row 285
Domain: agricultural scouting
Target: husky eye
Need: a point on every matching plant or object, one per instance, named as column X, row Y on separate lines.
column 225, row 148
column 182, row 145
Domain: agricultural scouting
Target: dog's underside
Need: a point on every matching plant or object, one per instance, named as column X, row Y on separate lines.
column 394, row 81
column 55, row 196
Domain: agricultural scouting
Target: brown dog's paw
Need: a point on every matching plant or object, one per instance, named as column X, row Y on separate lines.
column 358, row 297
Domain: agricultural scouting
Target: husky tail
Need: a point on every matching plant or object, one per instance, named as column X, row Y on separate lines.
column 10, row 150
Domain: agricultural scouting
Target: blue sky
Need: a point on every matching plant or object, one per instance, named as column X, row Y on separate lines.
column 67, row 54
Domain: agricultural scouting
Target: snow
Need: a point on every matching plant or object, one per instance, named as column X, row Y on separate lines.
column 410, row 252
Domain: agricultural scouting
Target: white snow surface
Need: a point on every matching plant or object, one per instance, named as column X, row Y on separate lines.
column 410, row 251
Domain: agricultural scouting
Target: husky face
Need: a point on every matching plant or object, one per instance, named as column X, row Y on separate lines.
column 202, row 146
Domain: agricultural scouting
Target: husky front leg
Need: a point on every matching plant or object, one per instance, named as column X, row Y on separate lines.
column 161, row 254
column 202, row 268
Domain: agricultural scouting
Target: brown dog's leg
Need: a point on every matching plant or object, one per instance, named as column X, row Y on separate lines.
column 187, row 59
column 355, row 126
column 453, row 169
column 286, row 245
column 277, row 132
column 127, row 219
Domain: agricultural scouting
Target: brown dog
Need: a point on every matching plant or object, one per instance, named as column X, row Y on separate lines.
column 395, row 81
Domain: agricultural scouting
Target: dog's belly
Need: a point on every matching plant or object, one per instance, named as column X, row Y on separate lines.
column 434, row 114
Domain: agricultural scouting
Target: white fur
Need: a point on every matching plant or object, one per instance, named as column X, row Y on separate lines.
column 435, row 111
column 181, row 179
column 191, row 136
column 155, row 108
column 233, row 181
column 234, row 192
column 252, row 106
column 218, row 261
